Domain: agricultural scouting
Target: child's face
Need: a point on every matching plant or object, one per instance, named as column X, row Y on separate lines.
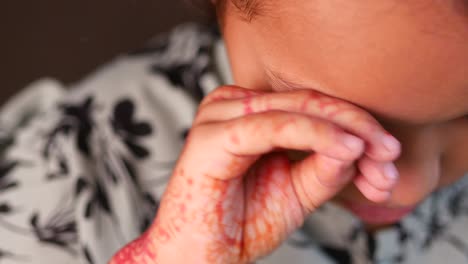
column 405, row 61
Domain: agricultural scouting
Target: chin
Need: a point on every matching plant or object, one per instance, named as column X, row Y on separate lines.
column 377, row 215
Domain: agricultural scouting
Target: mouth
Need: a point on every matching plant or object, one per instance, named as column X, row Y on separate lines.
column 375, row 214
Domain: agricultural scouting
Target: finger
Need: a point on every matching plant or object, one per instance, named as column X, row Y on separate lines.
column 272, row 209
column 381, row 175
column 370, row 192
column 318, row 178
column 280, row 195
column 381, row 145
column 228, row 92
column 246, row 138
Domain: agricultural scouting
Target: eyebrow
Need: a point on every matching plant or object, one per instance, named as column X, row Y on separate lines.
column 249, row 8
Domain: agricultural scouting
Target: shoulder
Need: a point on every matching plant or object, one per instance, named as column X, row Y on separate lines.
column 103, row 146
column 156, row 88
column 165, row 77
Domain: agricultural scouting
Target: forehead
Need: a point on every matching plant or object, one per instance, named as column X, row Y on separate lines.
column 406, row 60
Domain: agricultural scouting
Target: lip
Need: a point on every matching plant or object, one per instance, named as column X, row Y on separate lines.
column 374, row 214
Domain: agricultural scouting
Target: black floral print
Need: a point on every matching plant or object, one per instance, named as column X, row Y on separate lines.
column 59, row 230
column 5, row 142
column 130, row 130
column 338, row 255
column 87, row 255
column 185, row 76
column 6, row 254
column 152, row 206
column 6, row 209
column 5, row 181
column 77, row 117
column 98, row 198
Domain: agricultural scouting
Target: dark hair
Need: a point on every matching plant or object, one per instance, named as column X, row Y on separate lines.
column 248, row 9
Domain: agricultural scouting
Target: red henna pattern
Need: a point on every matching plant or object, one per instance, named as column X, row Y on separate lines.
column 234, row 139
column 229, row 92
column 331, row 107
column 306, row 103
column 174, row 209
column 268, row 105
column 239, row 219
column 281, row 125
column 222, row 220
column 238, row 238
column 269, row 194
column 165, row 229
column 140, row 251
column 228, row 231
column 247, row 105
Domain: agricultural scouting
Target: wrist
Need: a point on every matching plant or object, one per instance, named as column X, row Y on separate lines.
column 139, row 251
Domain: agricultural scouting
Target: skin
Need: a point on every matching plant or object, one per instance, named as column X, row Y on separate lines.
column 235, row 195
column 411, row 53
column 310, row 74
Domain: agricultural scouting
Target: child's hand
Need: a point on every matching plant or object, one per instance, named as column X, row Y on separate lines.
column 234, row 195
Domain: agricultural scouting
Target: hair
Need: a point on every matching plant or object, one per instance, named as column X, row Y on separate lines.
column 248, row 9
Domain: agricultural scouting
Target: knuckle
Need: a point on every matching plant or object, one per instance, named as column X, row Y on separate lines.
column 278, row 121
column 198, row 131
column 231, row 132
column 287, row 124
column 216, row 95
column 306, row 198
column 193, row 134
column 361, row 117
column 225, row 92
column 310, row 201
column 312, row 94
column 200, row 115
column 327, row 130
column 337, row 177
column 331, row 135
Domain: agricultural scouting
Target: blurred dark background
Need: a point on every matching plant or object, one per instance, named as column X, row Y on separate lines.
column 67, row 39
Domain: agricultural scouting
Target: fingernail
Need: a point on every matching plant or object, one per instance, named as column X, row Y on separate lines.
column 352, row 143
column 391, row 171
column 391, row 143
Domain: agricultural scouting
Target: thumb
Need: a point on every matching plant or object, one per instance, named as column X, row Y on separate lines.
column 279, row 195
column 318, row 178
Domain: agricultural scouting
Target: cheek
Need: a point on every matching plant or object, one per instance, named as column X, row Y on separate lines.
column 416, row 183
